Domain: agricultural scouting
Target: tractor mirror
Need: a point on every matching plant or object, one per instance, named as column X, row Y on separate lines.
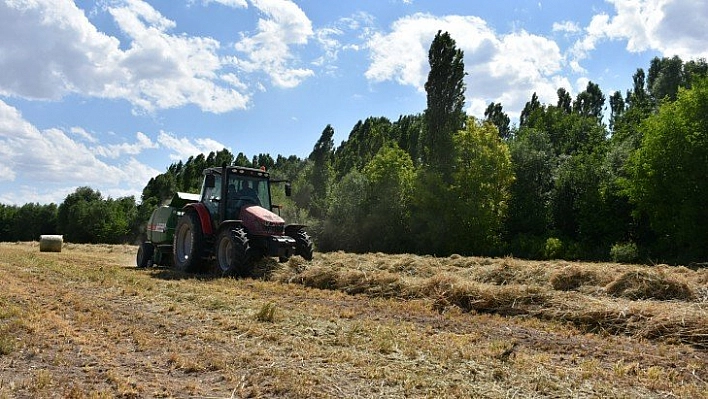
column 209, row 181
column 288, row 190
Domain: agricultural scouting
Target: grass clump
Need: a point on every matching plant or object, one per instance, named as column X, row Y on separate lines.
column 267, row 313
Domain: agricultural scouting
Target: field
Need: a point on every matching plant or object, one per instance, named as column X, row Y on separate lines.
column 85, row 323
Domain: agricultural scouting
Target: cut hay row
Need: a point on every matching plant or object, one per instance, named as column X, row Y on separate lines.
column 654, row 303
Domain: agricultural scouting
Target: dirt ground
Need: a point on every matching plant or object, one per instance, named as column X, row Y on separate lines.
column 85, row 323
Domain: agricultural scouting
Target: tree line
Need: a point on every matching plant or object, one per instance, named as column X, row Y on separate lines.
column 569, row 181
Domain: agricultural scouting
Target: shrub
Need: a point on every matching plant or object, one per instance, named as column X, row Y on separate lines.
column 553, row 248
column 625, row 252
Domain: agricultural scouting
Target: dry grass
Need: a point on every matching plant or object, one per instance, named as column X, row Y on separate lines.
column 84, row 323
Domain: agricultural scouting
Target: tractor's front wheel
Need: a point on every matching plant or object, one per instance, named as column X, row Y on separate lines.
column 189, row 244
column 303, row 244
column 232, row 251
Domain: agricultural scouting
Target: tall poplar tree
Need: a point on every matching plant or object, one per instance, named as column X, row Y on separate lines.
column 446, row 97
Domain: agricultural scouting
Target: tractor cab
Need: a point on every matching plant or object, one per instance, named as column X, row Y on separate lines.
column 227, row 190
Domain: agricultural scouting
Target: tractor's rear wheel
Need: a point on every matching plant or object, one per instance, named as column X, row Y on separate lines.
column 303, row 244
column 189, row 244
column 232, row 251
column 144, row 257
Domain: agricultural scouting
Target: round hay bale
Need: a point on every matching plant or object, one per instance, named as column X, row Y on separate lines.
column 50, row 243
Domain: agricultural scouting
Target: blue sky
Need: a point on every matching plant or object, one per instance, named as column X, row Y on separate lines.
column 109, row 93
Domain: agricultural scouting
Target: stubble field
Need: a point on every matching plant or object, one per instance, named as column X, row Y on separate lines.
column 85, row 323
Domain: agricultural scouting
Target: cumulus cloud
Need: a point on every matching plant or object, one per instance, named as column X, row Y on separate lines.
column 269, row 50
column 114, row 151
column 671, row 27
column 56, row 51
column 183, row 148
column 53, row 159
column 501, row 68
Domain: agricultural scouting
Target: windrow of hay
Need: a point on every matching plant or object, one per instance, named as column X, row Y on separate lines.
column 626, row 312
column 449, row 290
column 643, row 284
column 572, row 277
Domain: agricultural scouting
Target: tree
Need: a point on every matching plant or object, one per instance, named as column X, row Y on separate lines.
column 496, row 116
column 530, row 107
column 665, row 77
column 390, row 175
column 444, row 114
column 483, row 176
column 321, row 172
column 590, row 102
column 564, row 100
column 534, row 163
column 668, row 172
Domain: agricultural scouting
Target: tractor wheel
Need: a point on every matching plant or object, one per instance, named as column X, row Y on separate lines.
column 232, row 252
column 145, row 252
column 189, row 244
column 303, row 244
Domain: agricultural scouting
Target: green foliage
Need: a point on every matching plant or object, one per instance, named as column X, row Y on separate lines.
column 495, row 115
column 553, row 248
column 482, row 179
column 534, row 163
column 27, row 222
column 322, row 171
column 668, row 172
column 345, row 214
column 625, row 252
column 85, row 217
column 390, row 175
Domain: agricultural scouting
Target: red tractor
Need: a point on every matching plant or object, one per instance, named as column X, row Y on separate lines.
column 232, row 221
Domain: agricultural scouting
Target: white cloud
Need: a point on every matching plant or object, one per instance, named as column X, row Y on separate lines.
column 228, row 3
column 50, row 159
column 566, row 26
column 114, row 151
column 183, row 148
column 501, row 68
column 671, row 27
column 56, row 51
column 269, row 50
column 82, row 133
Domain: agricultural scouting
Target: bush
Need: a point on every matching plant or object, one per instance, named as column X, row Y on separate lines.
column 624, row 252
column 553, row 248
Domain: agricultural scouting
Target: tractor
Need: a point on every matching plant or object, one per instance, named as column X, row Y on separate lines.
column 231, row 224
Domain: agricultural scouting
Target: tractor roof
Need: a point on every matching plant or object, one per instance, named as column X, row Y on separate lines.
column 239, row 170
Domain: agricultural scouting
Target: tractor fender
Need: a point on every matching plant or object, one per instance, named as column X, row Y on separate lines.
column 204, row 217
column 229, row 224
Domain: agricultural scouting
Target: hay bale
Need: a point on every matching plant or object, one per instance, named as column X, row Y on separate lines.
column 643, row 284
column 50, row 243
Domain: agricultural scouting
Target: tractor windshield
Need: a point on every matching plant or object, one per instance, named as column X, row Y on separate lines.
column 250, row 188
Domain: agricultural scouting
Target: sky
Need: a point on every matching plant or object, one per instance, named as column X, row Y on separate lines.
column 108, row 93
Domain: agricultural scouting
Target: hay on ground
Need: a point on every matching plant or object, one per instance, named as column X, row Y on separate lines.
column 643, row 284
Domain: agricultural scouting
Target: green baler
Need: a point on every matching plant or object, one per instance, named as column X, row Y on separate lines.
column 161, row 230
